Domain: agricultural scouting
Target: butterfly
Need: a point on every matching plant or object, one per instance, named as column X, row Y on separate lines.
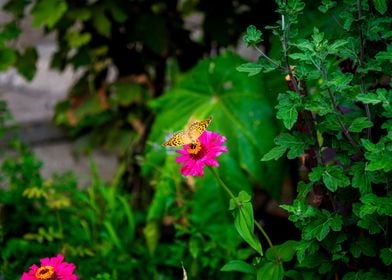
column 189, row 135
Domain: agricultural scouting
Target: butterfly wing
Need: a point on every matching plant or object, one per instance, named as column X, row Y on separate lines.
column 189, row 135
column 179, row 138
column 197, row 128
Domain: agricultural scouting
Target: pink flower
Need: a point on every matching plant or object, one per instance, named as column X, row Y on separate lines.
column 204, row 152
column 51, row 269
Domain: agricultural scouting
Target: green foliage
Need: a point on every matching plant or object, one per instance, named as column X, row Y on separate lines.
column 95, row 227
column 244, row 220
column 339, row 116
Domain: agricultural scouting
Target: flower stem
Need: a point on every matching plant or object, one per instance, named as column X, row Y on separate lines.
column 230, row 193
column 224, row 186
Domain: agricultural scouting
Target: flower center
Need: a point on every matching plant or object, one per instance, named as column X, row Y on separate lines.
column 196, row 150
column 45, row 273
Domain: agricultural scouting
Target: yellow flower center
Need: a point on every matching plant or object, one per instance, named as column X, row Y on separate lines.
column 45, row 273
column 194, row 148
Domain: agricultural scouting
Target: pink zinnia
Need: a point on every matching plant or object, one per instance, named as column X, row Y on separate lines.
column 204, row 152
column 51, row 269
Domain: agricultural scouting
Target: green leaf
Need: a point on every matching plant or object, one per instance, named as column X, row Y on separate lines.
column 101, row 23
column 253, row 36
column 363, row 246
column 381, row 6
column 241, row 112
column 320, row 226
column 386, row 256
column 240, row 266
column 48, row 12
column 373, row 203
column 271, row 271
column 26, row 63
column 287, row 108
column 250, row 68
column 295, row 144
column 359, row 124
column 9, row 32
column 378, row 155
column 244, row 222
column 7, row 58
column 151, row 233
column 336, row 46
column 326, row 5
column 300, row 56
column 275, row 153
column 332, row 176
column 306, row 249
column 387, row 55
column 369, row 98
column 284, row 251
column 76, row 39
column 361, row 178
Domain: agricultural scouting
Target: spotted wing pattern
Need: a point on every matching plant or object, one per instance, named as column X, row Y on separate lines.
column 188, row 135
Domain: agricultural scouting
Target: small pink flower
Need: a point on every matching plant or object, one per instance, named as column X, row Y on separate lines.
column 204, row 152
column 51, row 269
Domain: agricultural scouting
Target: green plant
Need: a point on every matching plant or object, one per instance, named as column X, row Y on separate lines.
column 337, row 114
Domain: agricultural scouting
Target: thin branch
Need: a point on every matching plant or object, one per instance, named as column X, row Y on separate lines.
column 337, row 112
column 361, row 59
column 309, row 123
column 268, row 58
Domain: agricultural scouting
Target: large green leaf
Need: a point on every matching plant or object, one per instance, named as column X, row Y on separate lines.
column 241, row 111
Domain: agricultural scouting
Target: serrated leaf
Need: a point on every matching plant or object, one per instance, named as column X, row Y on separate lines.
column 334, row 48
column 387, row 55
column 287, row 108
column 361, row 178
column 359, row 124
column 379, row 157
column 369, row 98
column 253, row 36
column 363, row 246
column 250, row 68
column 318, row 229
column 304, row 45
column 381, row 6
column 322, row 224
column 300, row 56
column 386, row 256
column 332, row 176
column 373, row 203
column 295, row 144
column 48, row 12
column 275, row 153
column 240, row 266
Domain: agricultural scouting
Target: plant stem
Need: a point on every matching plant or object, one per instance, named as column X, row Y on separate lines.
column 268, row 58
column 309, row 118
column 230, row 193
column 264, row 233
column 224, row 186
column 335, row 108
column 361, row 58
